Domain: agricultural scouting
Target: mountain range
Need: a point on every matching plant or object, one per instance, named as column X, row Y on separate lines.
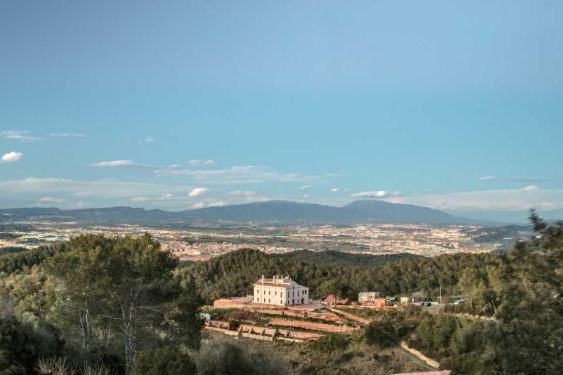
column 270, row 211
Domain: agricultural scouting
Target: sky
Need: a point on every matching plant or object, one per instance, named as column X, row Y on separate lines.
column 187, row 104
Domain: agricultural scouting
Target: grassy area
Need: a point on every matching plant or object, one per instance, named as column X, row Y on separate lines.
column 356, row 357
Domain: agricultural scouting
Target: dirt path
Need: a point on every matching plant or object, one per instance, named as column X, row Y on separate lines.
column 356, row 318
column 419, row 355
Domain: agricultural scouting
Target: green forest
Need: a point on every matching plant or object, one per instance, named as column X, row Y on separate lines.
column 120, row 305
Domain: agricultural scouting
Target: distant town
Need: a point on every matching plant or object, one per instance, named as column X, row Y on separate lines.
column 205, row 242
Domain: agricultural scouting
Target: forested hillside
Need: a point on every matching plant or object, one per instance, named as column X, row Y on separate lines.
column 233, row 274
column 341, row 258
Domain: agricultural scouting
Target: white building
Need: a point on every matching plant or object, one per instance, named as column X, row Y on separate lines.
column 281, row 291
column 367, row 297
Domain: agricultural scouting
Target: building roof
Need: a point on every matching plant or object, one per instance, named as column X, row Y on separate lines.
column 277, row 281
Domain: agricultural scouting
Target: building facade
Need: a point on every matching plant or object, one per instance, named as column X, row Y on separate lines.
column 367, row 297
column 281, row 291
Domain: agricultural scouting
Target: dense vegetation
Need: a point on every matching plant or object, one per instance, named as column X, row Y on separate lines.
column 109, row 299
column 342, row 259
column 233, row 275
column 14, row 261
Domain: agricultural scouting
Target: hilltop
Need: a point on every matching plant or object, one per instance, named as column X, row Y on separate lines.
column 287, row 212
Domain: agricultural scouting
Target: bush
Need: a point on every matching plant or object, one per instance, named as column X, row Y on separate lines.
column 331, row 343
column 229, row 359
column 380, row 333
column 164, row 361
column 21, row 346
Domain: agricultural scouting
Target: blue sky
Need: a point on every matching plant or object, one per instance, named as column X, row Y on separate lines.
column 182, row 104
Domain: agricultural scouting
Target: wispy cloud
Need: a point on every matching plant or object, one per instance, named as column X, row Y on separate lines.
column 487, row 178
column 304, row 187
column 148, row 139
column 68, row 135
column 525, row 179
column 50, row 201
column 487, row 200
column 201, row 163
column 246, row 195
column 97, row 193
column 247, row 174
column 531, row 188
column 196, row 192
column 143, row 199
column 12, row 157
column 512, row 179
column 370, row 194
column 334, row 190
column 205, row 204
column 119, row 164
column 20, row 135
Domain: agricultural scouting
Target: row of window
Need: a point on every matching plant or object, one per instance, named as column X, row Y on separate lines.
column 303, row 292
column 281, row 301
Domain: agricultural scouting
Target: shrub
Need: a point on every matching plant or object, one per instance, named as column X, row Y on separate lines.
column 331, row 343
column 381, row 333
column 229, row 359
column 164, row 361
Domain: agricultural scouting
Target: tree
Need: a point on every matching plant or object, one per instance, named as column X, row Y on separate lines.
column 380, row 333
column 122, row 288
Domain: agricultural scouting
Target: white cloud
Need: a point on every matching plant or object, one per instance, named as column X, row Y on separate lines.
column 306, row 195
column 113, row 164
column 305, row 187
column 208, row 204
column 197, row 192
column 148, row 139
column 12, row 157
column 246, row 174
column 119, row 164
column 334, row 190
column 531, row 188
column 244, row 196
column 112, row 192
column 102, row 189
column 139, row 199
column 487, row 178
column 20, row 135
column 143, row 199
column 216, row 204
column 499, row 199
column 68, row 135
column 201, row 163
column 370, row 194
column 50, row 200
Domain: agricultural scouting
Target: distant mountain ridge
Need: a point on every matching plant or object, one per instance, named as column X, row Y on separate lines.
column 270, row 211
